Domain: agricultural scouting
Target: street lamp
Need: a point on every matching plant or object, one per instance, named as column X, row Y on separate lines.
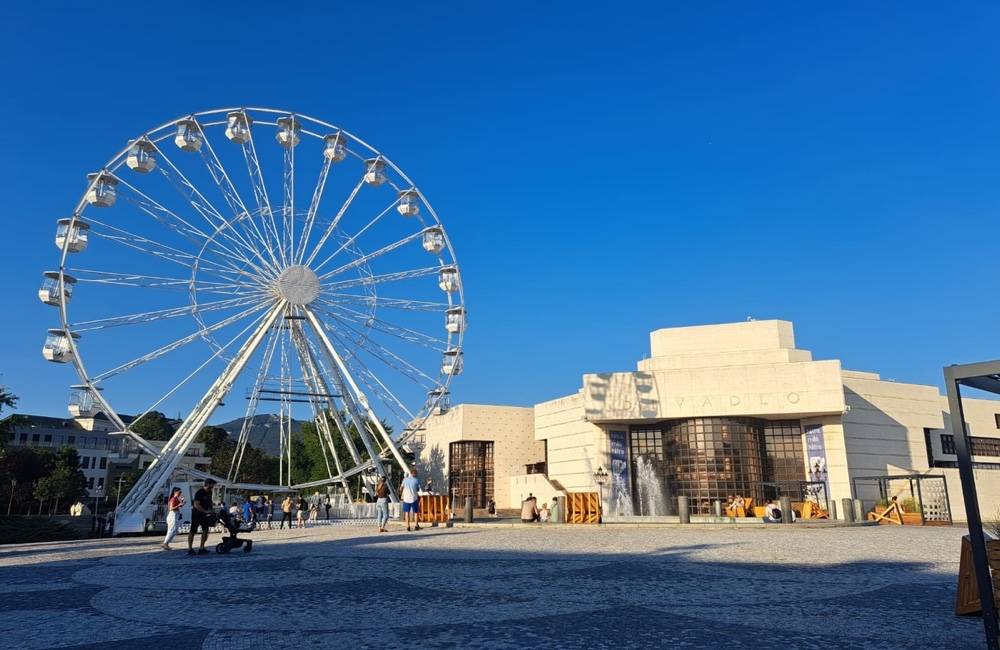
column 601, row 477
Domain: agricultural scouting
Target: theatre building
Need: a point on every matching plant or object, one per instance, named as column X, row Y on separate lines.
column 718, row 411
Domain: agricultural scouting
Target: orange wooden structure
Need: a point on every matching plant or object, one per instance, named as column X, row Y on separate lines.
column 741, row 511
column 583, row 508
column 967, row 595
column 433, row 509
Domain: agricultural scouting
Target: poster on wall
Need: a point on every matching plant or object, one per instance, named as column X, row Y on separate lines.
column 816, row 454
column 620, row 497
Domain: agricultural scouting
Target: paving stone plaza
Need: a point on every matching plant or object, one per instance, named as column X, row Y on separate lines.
column 496, row 586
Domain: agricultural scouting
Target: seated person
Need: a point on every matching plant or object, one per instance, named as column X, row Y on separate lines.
column 772, row 513
column 529, row 512
column 543, row 514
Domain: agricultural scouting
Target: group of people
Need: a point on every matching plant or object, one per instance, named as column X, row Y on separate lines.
column 530, row 512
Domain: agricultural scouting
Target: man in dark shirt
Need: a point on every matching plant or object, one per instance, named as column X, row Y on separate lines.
column 201, row 516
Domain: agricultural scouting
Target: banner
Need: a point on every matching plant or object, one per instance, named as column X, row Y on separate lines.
column 816, row 455
column 620, row 498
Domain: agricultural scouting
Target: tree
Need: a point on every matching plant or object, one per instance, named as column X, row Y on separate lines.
column 313, row 465
column 154, row 426
column 8, row 400
column 24, row 467
column 214, row 438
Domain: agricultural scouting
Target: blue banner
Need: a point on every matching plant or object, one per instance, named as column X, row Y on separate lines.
column 816, row 455
column 620, row 499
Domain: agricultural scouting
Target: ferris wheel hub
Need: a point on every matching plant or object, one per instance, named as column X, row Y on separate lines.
column 298, row 285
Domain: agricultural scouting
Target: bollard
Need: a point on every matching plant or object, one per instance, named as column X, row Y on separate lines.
column 717, row 508
column 682, row 510
column 859, row 510
column 848, row 509
column 468, row 510
column 833, row 511
column 786, row 510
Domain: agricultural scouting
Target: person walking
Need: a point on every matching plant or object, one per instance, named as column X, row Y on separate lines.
column 327, row 505
column 410, row 490
column 174, row 503
column 286, row 512
column 382, row 504
column 201, row 516
column 313, row 513
column 300, row 513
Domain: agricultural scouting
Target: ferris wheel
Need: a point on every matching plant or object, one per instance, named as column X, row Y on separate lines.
column 262, row 255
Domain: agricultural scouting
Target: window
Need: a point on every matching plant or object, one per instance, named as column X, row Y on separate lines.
column 100, row 484
column 90, row 483
column 71, row 440
column 104, row 462
column 24, row 437
column 47, row 438
column 470, row 471
column 85, row 462
column 35, row 437
column 996, row 418
column 703, row 459
column 978, row 445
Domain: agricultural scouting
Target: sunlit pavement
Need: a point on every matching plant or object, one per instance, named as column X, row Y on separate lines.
column 548, row 586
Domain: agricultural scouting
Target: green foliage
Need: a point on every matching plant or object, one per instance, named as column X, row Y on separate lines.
column 311, row 464
column 214, row 439
column 65, row 482
column 154, row 426
column 8, row 400
column 255, row 466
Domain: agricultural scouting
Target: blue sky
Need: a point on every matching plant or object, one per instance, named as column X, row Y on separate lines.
column 602, row 171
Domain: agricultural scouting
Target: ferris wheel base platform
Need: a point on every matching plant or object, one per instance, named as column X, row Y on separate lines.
column 126, row 523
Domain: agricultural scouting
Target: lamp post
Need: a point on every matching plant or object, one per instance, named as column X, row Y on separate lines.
column 601, row 477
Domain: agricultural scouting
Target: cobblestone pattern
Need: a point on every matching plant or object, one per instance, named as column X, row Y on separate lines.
column 560, row 587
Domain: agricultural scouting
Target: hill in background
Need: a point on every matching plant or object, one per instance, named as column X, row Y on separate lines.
column 263, row 431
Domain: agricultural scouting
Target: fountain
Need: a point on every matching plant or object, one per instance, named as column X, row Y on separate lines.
column 621, row 500
column 652, row 501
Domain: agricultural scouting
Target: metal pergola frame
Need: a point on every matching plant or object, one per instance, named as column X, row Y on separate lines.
column 882, row 482
column 984, row 376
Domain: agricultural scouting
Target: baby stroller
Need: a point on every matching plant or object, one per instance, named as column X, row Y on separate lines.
column 233, row 541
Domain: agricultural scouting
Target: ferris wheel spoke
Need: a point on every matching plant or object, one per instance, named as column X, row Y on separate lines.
column 381, row 279
column 387, row 303
column 260, row 194
column 90, row 276
column 313, row 208
column 384, row 355
column 350, row 240
column 364, row 259
column 384, row 326
column 252, row 404
column 332, row 226
column 288, row 203
column 375, row 385
column 209, row 212
column 225, row 184
column 191, row 233
column 160, row 250
column 179, row 343
column 355, row 392
column 254, row 323
column 162, row 314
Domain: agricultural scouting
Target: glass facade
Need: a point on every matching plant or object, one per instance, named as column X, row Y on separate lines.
column 470, row 472
column 708, row 459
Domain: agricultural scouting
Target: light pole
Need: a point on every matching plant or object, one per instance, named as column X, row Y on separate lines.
column 601, row 477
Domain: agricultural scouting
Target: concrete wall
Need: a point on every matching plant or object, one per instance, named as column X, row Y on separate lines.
column 573, row 443
column 511, row 428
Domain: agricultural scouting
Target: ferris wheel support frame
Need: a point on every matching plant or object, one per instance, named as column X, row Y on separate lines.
column 131, row 514
column 362, row 398
column 341, row 374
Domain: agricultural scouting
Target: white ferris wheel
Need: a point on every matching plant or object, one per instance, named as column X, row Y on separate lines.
column 261, row 250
